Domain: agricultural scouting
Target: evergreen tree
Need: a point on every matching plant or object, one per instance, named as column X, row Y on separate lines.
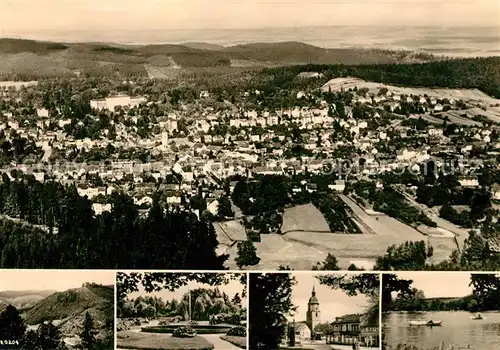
column 88, row 333
column 48, row 337
column 270, row 304
column 330, row 264
column 247, row 254
column 12, row 326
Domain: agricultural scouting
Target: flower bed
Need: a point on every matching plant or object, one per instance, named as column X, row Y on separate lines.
column 184, row 332
column 238, row 331
column 205, row 329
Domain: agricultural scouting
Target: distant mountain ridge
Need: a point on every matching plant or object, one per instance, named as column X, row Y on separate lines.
column 23, row 299
column 37, row 59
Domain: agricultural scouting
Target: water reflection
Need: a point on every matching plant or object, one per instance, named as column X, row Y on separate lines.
column 457, row 328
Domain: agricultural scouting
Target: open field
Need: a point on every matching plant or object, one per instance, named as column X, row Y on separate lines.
column 457, row 117
column 157, row 72
column 304, row 217
column 228, row 234
column 150, row 341
column 230, row 231
column 300, row 250
column 492, row 113
column 458, row 94
column 429, row 118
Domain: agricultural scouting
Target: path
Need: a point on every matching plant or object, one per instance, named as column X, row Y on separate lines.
column 218, row 343
column 382, row 224
column 460, row 233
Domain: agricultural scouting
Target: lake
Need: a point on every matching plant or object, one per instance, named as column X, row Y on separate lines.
column 457, row 328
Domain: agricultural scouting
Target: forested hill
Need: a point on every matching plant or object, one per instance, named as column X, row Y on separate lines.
column 72, row 303
column 480, row 73
column 29, row 59
column 58, row 229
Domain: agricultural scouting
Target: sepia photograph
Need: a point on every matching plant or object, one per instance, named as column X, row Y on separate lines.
column 441, row 311
column 314, row 311
column 250, row 135
column 57, row 309
column 181, row 311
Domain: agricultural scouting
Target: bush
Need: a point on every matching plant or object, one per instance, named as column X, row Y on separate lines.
column 238, row 331
column 184, row 332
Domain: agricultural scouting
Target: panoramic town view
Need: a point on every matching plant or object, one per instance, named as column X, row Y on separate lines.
column 323, row 167
column 247, row 156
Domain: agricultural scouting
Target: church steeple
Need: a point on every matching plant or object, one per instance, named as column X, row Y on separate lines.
column 313, row 315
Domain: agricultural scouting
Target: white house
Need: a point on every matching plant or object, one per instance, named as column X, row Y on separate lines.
column 435, row 132
column 100, row 208
column 213, row 207
column 468, row 182
column 438, row 107
column 302, row 331
column 338, row 186
column 117, row 100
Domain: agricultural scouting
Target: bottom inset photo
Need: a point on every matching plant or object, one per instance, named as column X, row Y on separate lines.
column 56, row 309
column 441, row 311
column 314, row 311
column 175, row 311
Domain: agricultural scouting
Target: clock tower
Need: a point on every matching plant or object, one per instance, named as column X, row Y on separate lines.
column 313, row 316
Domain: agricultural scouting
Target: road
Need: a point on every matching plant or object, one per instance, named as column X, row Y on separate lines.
column 218, row 343
column 460, row 233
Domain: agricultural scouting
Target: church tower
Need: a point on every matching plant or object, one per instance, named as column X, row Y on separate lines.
column 313, row 316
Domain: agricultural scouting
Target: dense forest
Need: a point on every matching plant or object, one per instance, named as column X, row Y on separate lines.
column 480, row 73
column 47, row 225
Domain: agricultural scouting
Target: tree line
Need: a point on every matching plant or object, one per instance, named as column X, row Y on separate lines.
column 485, row 296
column 206, row 305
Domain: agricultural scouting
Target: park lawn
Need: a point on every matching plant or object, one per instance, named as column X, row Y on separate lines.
column 240, row 342
column 151, row 341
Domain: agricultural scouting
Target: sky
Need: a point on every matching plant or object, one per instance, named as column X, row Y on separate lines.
column 332, row 303
column 230, row 289
column 57, row 280
column 22, row 16
column 440, row 284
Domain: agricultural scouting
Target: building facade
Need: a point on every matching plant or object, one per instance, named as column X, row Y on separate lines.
column 348, row 329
